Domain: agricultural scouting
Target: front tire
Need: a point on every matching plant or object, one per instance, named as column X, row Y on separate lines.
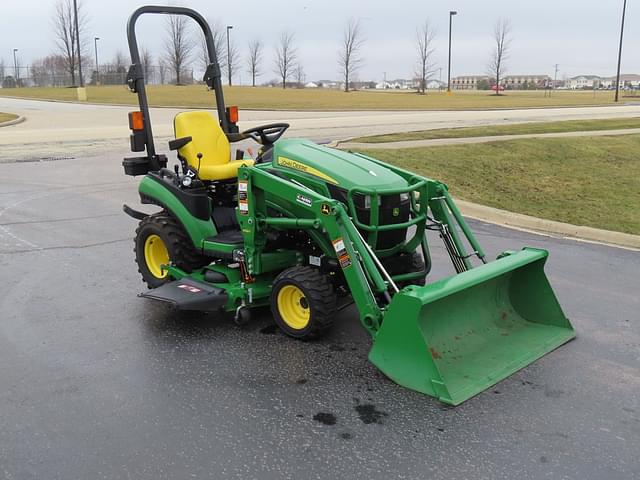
column 303, row 302
column 161, row 240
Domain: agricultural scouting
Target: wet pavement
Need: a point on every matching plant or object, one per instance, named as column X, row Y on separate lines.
column 97, row 383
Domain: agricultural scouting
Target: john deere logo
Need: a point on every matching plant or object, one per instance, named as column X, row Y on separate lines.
column 325, row 209
column 287, row 162
column 395, row 212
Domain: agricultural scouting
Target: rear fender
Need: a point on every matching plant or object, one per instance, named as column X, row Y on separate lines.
column 158, row 192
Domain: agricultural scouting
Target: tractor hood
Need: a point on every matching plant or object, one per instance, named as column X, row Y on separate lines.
column 343, row 169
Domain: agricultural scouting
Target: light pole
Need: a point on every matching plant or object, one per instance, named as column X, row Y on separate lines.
column 451, row 14
column 229, row 27
column 624, row 9
column 75, row 9
column 95, row 46
column 15, row 66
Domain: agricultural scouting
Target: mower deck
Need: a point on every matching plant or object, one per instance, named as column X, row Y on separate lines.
column 187, row 294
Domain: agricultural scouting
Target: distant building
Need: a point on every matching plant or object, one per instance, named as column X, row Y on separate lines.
column 629, row 80
column 397, row 84
column 435, row 85
column 583, row 82
column 468, row 82
column 310, row 85
column 521, row 82
column 403, row 84
column 361, row 85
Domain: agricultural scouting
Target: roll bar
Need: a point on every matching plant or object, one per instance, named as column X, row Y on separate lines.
column 135, row 76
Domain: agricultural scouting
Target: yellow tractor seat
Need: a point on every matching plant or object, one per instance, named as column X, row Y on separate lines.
column 208, row 139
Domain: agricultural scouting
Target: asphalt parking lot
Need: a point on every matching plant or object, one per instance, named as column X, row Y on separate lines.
column 97, row 383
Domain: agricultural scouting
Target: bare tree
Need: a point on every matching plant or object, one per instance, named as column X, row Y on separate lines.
column 286, row 57
column 162, row 71
column 233, row 56
column 349, row 56
column 147, row 60
column 48, row 71
column 119, row 61
column 299, row 75
column 65, row 33
column 219, row 45
column 115, row 72
column 178, row 45
column 254, row 60
column 2, row 67
column 425, row 35
column 500, row 53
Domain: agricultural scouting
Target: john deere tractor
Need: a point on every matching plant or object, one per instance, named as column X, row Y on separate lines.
column 301, row 227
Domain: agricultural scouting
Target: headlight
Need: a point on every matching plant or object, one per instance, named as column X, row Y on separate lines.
column 367, row 202
column 404, row 197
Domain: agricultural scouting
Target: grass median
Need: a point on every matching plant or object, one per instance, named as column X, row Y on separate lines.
column 516, row 129
column 593, row 181
column 6, row 117
column 318, row 98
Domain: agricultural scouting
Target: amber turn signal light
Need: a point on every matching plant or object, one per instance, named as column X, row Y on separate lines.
column 232, row 114
column 136, row 121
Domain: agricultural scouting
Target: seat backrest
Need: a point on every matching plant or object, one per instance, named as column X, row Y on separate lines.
column 207, row 138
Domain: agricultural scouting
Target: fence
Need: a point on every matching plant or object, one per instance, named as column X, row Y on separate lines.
column 54, row 76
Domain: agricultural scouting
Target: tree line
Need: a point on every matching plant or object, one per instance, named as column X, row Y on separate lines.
column 181, row 49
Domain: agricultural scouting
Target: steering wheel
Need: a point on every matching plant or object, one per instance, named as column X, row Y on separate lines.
column 266, row 134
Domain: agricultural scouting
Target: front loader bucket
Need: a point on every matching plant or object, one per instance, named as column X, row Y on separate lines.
column 456, row 337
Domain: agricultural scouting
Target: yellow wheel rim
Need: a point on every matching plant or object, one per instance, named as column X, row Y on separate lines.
column 293, row 307
column 156, row 255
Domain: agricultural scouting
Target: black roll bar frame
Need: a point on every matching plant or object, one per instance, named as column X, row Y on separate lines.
column 135, row 76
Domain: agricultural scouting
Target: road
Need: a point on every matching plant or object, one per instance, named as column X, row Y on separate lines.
column 97, row 383
column 70, row 129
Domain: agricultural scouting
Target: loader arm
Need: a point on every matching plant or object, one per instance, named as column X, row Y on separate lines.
column 371, row 287
column 325, row 216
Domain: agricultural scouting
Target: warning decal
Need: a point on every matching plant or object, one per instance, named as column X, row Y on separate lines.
column 341, row 253
column 243, row 199
column 189, row 288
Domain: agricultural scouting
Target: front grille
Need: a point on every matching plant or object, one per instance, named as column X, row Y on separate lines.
column 392, row 210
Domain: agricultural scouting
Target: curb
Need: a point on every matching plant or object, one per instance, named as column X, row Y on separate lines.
column 15, row 121
column 540, row 225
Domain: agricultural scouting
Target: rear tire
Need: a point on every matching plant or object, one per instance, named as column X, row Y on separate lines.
column 161, row 240
column 303, row 302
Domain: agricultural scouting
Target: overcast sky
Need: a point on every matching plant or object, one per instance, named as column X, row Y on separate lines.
column 580, row 35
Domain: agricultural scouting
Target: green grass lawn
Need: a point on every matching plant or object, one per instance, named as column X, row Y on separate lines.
column 593, row 181
column 318, row 99
column 517, row 129
column 5, row 117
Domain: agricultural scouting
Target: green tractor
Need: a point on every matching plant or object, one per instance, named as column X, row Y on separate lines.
column 302, row 227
